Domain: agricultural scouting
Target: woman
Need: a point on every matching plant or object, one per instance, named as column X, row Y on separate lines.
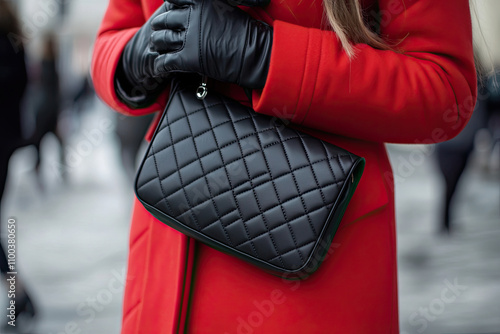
column 415, row 83
column 47, row 100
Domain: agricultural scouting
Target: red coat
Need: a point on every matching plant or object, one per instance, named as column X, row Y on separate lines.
column 423, row 94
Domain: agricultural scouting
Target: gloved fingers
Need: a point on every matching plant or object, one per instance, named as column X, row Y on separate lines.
column 169, row 62
column 165, row 7
column 149, row 60
column 249, row 3
column 180, row 3
column 167, row 40
column 176, row 19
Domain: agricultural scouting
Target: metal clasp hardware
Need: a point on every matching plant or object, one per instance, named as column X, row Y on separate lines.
column 202, row 90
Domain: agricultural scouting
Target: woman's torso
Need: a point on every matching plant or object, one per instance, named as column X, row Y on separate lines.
column 375, row 188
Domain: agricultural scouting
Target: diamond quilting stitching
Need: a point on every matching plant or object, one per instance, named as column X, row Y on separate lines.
column 256, row 197
column 161, row 187
column 329, row 165
column 297, row 187
column 204, row 132
column 220, row 148
column 171, row 123
column 228, row 239
column 292, row 250
column 301, row 200
column 271, row 208
column 312, row 170
column 195, row 220
column 313, row 192
column 341, row 166
column 225, row 170
column 220, row 103
column 238, row 185
column 276, row 178
column 187, row 114
column 295, row 219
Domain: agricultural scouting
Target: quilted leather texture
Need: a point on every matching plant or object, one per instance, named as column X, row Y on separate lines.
column 243, row 182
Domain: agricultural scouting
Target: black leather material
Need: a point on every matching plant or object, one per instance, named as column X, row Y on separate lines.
column 136, row 83
column 218, row 40
column 245, row 183
column 249, row 3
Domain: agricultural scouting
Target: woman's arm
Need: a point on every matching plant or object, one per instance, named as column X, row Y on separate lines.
column 425, row 94
column 122, row 20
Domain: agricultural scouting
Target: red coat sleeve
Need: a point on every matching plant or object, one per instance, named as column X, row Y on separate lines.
column 426, row 93
column 121, row 21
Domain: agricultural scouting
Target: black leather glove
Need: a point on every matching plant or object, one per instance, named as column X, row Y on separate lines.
column 135, row 81
column 213, row 38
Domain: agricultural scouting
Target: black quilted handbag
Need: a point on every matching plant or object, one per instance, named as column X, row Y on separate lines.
column 244, row 183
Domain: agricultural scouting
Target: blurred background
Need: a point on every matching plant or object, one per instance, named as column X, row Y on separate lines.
column 69, row 190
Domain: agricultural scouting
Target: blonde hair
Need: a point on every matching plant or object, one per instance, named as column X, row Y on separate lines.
column 347, row 21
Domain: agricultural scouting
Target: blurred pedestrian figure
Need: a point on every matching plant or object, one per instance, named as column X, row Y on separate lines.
column 13, row 80
column 453, row 155
column 130, row 132
column 47, row 104
column 83, row 95
column 494, row 119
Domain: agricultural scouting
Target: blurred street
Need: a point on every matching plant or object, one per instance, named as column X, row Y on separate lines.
column 72, row 238
column 429, row 261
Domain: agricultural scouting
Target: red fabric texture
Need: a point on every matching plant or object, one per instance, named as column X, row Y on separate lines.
column 423, row 93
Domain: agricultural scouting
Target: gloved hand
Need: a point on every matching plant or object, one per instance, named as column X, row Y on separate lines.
column 135, row 80
column 213, row 38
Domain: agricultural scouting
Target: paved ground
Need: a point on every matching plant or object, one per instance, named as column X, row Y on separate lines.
column 73, row 237
column 73, row 241
column 429, row 262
